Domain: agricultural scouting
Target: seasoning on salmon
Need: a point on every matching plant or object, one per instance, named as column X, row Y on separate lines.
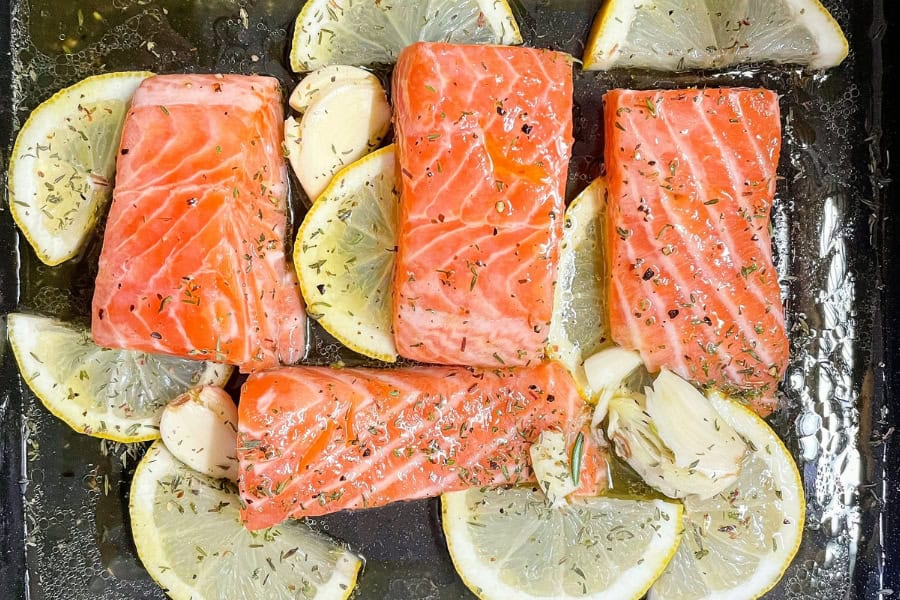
column 691, row 178
column 193, row 257
column 314, row 440
column 484, row 135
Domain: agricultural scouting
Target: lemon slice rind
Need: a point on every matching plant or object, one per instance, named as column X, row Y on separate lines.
column 55, row 203
column 67, row 371
column 345, row 263
column 657, row 520
column 325, row 32
column 578, row 325
column 833, row 46
column 203, row 542
column 775, row 554
column 706, row 34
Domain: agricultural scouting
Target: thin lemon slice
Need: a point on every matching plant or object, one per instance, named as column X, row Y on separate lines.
column 366, row 32
column 509, row 543
column 674, row 35
column 578, row 328
column 344, row 255
column 739, row 543
column 188, row 532
column 113, row 394
column 62, row 165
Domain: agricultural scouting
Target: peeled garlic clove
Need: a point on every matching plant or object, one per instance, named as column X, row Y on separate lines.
column 341, row 125
column 199, row 428
column 609, row 367
column 633, row 437
column 321, row 79
column 606, row 371
column 681, row 447
column 692, row 429
column 550, row 463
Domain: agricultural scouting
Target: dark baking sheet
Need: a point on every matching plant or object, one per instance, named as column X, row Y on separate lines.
column 63, row 497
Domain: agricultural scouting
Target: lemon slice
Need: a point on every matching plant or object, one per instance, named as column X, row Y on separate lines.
column 739, row 543
column 113, row 394
column 674, row 35
column 509, row 543
column 62, row 165
column 188, row 533
column 366, row 32
column 578, row 327
column 344, row 255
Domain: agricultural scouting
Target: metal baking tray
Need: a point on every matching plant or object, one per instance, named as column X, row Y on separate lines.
column 64, row 531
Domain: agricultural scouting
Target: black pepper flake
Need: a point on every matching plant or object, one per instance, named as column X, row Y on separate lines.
column 673, row 313
column 156, row 335
column 526, row 128
column 125, row 151
column 100, row 314
column 648, row 275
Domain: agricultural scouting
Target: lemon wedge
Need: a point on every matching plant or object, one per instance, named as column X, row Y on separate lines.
column 365, row 32
column 188, row 533
column 62, row 166
column 739, row 543
column 675, row 35
column 578, row 326
column 344, row 255
column 113, row 394
column 509, row 543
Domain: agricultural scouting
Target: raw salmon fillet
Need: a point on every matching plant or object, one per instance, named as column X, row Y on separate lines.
column 484, row 135
column 691, row 178
column 193, row 261
column 314, row 440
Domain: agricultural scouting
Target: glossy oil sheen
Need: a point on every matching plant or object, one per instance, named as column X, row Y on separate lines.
column 64, row 528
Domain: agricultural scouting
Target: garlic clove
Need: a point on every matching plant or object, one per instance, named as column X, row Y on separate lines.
column 692, row 429
column 610, row 366
column 200, row 429
column 342, row 124
column 322, row 79
column 674, row 439
column 606, row 372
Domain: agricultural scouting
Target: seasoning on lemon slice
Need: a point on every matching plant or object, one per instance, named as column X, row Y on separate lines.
column 344, row 255
column 366, row 32
column 510, row 543
column 739, row 543
column 62, row 166
column 578, row 327
column 188, row 533
column 675, row 35
column 113, row 394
